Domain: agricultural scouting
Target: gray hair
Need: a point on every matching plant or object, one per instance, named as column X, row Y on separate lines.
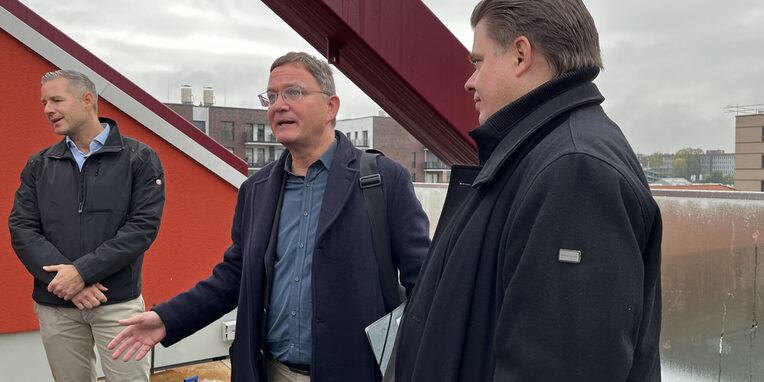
column 319, row 69
column 562, row 30
column 79, row 84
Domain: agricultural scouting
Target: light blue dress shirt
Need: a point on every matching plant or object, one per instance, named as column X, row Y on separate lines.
column 95, row 145
column 288, row 331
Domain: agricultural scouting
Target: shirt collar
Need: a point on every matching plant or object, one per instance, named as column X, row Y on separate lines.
column 99, row 140
column 325, row 159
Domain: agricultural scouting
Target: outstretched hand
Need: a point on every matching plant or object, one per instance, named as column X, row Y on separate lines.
column 142, row 332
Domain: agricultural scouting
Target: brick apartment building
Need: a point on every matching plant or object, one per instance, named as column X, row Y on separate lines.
column 388, row 136
column 247, row 133
column 244, row 132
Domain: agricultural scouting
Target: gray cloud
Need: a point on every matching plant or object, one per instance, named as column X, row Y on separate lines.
column 670, row 66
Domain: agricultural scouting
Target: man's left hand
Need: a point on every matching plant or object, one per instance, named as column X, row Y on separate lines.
column 67, row 282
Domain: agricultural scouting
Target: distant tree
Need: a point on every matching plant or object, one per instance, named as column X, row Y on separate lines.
column 715, row 176
column 680, row 168
column 655, row 159
column 689, row 163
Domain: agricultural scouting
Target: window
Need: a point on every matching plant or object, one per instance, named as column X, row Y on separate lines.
column 269, row 134
column 249, row 132
column 365, row 142
column 413, row 177
column 229, row 148
column 227, row 133
column 260, row 133
column 432, row 177
column 762, row 185
column 260, row 156
column 762, row 133
column 762, row 161
column 413, row 159
column 250, row 156
column 201, row 125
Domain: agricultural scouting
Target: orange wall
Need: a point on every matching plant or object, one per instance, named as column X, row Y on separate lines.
column 198, row 210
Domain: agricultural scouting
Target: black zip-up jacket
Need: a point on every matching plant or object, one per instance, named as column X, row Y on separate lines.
column 101, row 219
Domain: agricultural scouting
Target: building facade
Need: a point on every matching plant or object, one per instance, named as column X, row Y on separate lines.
column 386, row 135
column 717, row 160
column 244, row 132
column 749, row 152
column 247, row 133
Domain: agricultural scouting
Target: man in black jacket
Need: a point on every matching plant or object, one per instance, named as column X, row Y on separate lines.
column 545, row 265
column 87, row 209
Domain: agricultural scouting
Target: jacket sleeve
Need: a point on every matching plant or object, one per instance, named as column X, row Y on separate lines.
column 27, row 239
column 140, row 228
column 408, row 223
column 562, row 318
column 211, row 298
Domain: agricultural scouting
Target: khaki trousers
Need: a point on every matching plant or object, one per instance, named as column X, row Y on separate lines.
column 69, row 334
column 278, row 372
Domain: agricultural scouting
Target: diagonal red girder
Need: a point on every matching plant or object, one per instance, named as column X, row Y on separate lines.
column 403, row 57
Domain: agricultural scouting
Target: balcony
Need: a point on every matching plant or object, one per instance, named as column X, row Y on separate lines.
column 258, row 163
column 261, row 140
column 360, row 142
column 434, row 165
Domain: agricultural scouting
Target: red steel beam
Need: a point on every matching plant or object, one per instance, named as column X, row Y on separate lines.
column 403, row 57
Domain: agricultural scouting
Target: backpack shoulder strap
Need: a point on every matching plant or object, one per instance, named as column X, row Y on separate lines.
column 376, row 208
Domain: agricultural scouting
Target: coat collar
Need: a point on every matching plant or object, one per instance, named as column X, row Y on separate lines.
column 505, row 131
column 113, row 141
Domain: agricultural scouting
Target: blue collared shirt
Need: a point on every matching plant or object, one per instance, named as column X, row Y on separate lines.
column 95, row 145
column 289, row 336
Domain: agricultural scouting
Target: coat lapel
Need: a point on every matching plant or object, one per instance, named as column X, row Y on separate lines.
column 343, row 176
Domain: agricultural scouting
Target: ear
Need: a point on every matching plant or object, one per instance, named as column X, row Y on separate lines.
column 333, row 107
column 524, row 55
column 87, row 100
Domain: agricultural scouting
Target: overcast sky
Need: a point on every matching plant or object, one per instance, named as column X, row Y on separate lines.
column 671, row 66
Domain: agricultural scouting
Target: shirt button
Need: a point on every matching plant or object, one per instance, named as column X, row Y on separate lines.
column 305, row 213
column 294, row 313
column 291, row 345
column 297, row 278
column 302, row 245
column 307, row 184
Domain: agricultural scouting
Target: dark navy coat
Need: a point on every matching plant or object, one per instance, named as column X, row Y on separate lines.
column 346, row 289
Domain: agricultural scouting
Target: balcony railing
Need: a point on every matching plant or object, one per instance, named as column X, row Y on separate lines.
column 260, row 140
column 434, row 165
column 259, row 163
column 360, row 142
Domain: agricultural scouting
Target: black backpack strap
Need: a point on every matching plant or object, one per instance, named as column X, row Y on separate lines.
column 376, row 208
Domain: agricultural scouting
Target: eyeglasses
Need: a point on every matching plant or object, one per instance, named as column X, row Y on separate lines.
column 290, row 94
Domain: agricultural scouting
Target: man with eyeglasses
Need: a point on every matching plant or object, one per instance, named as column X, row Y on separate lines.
column 301, row 268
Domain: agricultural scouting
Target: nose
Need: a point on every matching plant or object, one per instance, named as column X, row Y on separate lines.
column 470, row 84
column 47, row 109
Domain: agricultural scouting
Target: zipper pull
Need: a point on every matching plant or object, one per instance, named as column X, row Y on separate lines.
column 79, row 211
